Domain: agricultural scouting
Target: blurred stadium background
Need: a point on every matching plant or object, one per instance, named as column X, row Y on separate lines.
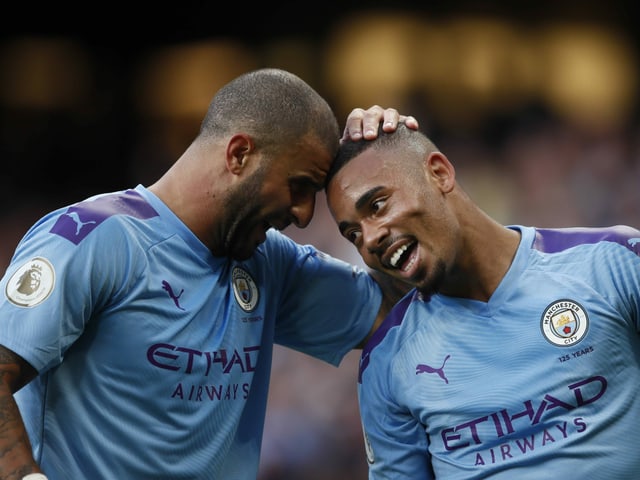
column 536, row 103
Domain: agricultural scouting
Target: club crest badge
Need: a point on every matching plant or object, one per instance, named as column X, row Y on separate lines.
column 245, row 289
column 31, row 284
column 564, row 323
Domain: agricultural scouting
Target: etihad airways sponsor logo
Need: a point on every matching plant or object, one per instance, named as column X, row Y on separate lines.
column 522, row 446
column 503, row 422
column 189, row 360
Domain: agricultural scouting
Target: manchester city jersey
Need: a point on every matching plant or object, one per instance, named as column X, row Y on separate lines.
column 540, row 381
column 154, row 356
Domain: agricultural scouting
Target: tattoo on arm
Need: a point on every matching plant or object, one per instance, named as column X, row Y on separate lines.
column 16, row 459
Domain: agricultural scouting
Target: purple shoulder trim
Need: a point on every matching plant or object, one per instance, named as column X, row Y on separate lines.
column 552, row 240
column 81, row 219
column 394, row 318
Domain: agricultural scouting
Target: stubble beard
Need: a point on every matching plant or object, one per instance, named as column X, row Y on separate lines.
column 434, row 282
column 242, row 206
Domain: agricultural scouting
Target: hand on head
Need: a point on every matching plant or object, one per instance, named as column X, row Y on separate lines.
column 364, row 123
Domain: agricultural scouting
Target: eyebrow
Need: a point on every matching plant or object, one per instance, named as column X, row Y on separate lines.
column 360, row 203
column 367, row 196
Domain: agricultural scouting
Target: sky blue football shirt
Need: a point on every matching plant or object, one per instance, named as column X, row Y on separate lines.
column 154, row 356
column 539, row 382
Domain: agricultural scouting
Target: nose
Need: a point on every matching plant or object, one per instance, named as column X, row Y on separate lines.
column 373, row 236
column 302, row 211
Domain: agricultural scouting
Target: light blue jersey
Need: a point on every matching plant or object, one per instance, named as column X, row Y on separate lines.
column 154, row 356
column 540, row 382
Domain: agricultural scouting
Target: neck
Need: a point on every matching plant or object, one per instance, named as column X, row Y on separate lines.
column 486, row 253
column 190, row 191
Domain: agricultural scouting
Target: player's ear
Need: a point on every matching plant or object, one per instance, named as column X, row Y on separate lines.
column 238, row 148
column 441, row 171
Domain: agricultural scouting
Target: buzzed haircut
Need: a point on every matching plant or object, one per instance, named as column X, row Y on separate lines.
column 402, row 136
column 276, row 107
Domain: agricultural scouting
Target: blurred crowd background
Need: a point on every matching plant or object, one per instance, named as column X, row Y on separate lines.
column 536, row 103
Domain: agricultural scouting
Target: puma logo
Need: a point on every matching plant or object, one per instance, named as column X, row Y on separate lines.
column 421, row 368
column 173, row 296
column 633, row 241
column 79, row 223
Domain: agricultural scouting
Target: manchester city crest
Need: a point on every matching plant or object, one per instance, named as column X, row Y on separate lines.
column 564, row 323
column 244, row 289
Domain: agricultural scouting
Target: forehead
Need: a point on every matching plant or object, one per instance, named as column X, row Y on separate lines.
column 361, row 173
column 307, row 160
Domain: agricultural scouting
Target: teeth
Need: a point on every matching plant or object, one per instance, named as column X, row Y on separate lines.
column 395, row 258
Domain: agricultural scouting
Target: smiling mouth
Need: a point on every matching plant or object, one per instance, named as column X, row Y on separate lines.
column 403, row 258
column 397, row 255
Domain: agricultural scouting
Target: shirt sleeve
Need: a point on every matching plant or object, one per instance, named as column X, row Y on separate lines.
column 628, row 276
column 52, row 288
column 619, row 279
column 396, row 443
column 328, row 306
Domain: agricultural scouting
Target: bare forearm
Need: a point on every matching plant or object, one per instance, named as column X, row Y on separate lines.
column 16, row 459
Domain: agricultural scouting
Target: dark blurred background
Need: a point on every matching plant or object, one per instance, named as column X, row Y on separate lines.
column 536, row 103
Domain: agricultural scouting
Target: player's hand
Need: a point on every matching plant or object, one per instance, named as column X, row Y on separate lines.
column 364, row 123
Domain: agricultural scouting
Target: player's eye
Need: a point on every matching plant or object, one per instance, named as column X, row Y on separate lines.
column 378, row 204
column 352, row 235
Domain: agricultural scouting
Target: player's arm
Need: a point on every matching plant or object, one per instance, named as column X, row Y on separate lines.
column 396, row 444
column 16, row 459
column 363, row 123
column 389, row 457
column 392, row 291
